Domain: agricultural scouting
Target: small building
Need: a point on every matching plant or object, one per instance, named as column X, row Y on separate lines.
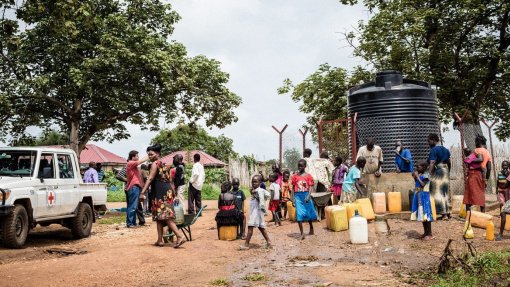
column 205, row 159
column 108, row 159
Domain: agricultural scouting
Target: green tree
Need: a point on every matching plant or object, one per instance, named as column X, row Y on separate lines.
column 46, row 138
column 462, row 47
column 89, row 67
column 186, row 137
column 323, row 93
column 291, row 158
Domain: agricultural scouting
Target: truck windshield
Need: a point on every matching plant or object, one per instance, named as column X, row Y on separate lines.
column 18, row 163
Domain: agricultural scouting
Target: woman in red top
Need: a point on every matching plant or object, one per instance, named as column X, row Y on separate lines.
column 302, row 184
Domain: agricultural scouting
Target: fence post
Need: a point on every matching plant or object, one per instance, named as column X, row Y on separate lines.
column 280, row 133
column 319, row 134
column 303, row 134
column 354, row 150
column 492, row 146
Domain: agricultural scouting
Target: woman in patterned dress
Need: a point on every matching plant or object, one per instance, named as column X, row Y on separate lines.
column 164, row 193
column 439, row 169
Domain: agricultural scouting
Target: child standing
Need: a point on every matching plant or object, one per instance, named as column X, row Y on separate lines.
column 338, row 177
column 239, row 202
column 257, row 212
column 302, row 183
column 421, row 207
column 285, row 196
column 503, row 196
column 274, row 190
column 352, row 183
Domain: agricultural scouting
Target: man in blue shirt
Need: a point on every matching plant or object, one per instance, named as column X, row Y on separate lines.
column 403, row 158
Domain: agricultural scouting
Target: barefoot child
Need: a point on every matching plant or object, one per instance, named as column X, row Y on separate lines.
column 274, row 190
column 257, row 212
column 302, row 184
column 239, row 201
column 285, row 196
column 503, row 196
column 421, row 207
column 352, row 183
column 338, row 177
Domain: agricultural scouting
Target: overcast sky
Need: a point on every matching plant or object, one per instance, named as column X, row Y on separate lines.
column 260, row 43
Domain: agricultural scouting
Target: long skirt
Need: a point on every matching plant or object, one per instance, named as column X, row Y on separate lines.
column 474, row 192
column 305, row 211
column 421, row 207
column 162, row 205
column 229, row 217
column 439, row 186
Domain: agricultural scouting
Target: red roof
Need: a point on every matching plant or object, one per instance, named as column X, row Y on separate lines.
column 96, row 154
column 205, row 159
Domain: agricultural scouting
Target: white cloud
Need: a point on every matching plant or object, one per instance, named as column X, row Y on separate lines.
column 260, row 43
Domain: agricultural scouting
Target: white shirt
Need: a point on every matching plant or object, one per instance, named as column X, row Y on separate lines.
column 373, row 158
column 275, row 187
column 197, row 176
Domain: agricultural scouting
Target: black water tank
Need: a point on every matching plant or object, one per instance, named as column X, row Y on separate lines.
column 393, row 108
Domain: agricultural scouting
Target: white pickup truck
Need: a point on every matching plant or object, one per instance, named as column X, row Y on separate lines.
column 43, row 185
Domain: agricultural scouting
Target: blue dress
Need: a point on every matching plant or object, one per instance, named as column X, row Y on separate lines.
column 421, row 207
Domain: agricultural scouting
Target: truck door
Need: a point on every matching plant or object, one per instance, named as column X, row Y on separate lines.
column 68, row 184
column 47, row 191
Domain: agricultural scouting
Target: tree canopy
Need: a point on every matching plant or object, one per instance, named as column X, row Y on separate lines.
column 186, row 137
column 322, row 94
column 291, row 157
column 90, row 67
column 462, row 47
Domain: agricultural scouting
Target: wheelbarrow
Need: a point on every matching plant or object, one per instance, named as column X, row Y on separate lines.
column 320, row 199
column 185, row 227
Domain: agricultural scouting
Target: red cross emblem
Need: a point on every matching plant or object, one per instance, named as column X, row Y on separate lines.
column 51, row 198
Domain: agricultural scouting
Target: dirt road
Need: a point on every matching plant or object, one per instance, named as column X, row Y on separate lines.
column 117, row 256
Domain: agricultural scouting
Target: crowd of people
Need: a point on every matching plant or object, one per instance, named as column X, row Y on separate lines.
column 159, row 188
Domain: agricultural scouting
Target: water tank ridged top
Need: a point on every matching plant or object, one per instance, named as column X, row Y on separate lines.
column 393, row 108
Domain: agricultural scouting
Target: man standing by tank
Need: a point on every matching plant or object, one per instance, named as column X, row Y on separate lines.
column 403, row 158
column 374, row 156
column 195, row 185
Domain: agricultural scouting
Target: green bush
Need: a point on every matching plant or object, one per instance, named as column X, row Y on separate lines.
column 116, row 196
column 489, row 269
column 112, row 183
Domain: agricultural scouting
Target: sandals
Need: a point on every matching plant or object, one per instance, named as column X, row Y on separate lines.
column 179, row 243
column 244, row 247
column 159, row 244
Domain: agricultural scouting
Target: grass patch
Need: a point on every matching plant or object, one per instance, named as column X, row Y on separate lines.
column 489, row 269
column 253, row 277
column 220, row 282
column 209, row 192
column 116, row 196
column 117, row 218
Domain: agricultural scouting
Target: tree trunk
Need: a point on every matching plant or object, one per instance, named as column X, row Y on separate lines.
column 471, row 130
column 74, row 139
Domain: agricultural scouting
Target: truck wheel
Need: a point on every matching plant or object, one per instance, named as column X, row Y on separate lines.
column 15, row 227
column 81, row 225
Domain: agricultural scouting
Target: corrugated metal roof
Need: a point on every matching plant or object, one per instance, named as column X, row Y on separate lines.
column 96, row 154
column 205, row 159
